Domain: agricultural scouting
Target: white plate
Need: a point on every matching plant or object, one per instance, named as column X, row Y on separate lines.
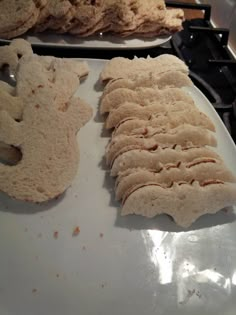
column 96, row 42
column 136, row 266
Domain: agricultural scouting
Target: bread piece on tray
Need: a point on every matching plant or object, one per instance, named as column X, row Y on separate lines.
column 132, row 110
column 120, row 67
column 140, row 157
column 200, row 169
column 185, row 202
column 167, row 120
column 170, row 79
column 142, row 96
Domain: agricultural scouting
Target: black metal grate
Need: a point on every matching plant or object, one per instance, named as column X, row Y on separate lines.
column 212, row 66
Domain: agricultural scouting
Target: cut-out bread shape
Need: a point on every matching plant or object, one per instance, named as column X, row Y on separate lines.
column 139, row 157
column 61, row 76
column 171, row 79
column 128, row 15
column 120, row 67
column 148, row 18
column 11, row 54
column 163, row 148
column 199, row 169
column 53, row 12
column 132, row 110
column 173, row 19
column 39, row 120
column 47, row 140
column 17, row 17
column 143, row 97
column 182, row 135
column 168, row 120
column 184, row 202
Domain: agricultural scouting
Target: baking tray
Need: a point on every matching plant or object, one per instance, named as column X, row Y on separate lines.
column 93, row 42
column 115, row 265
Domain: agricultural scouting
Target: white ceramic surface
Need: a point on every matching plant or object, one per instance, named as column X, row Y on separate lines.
column 98, row 41
column 116, row 265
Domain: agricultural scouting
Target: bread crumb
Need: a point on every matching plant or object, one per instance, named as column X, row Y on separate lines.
column 76, row 231
column 37, row 106
column 55, row 234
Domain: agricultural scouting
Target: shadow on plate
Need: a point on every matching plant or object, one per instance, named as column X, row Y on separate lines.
column 161, row 222
column 166, row 223
column 10, row 205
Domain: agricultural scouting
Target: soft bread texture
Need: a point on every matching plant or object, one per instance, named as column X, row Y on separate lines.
column 120, row 67
column 10, row 55
column 172, row 23
column 22, row 28
column 89, row 18
column 168, row 120
column 50, row 152
column 61, row 76
column 143, row 97
column 39, row 120
column 141, row 158
column 128, row 15
column 185, row 203
column 33, row 74
column 160, row 145
column 199, row 169
column 133, row 110
column 171, row 79
column 183, row 135
column 14, row 14
column 83, row 18
column 53, row 11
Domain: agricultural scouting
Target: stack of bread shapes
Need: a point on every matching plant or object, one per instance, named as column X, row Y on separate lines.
column 161, row 150
column 40, row 116
column 87, row 17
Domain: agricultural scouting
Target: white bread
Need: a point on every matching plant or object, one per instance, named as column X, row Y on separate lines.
column 184, row 202
column 183, row 135
column 47, row 149
column 170, row 79
column 141, row 158
column 199, row 169
column 15, row 13
column 11, row 54
column 171, row 24
column 168, row 120
column 132, row 110
column 22, row 28
column 120, row 67
column 142, row 96
column 60, row 77
column 52, row 11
